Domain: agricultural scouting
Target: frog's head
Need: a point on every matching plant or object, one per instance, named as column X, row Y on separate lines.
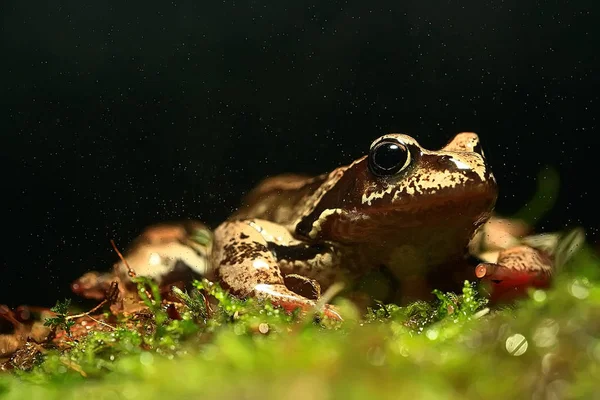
column 400, row 189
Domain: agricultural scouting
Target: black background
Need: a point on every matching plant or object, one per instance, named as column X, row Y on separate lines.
column 119, row 114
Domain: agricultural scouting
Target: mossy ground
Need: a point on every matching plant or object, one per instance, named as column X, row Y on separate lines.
column 546, row 346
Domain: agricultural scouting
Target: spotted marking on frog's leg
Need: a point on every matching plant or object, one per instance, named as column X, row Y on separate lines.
column 525, row 258
column 242, row 259
column 516, row 270
column 251, row 267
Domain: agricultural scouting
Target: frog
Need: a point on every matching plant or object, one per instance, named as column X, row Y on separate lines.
column 400, row 207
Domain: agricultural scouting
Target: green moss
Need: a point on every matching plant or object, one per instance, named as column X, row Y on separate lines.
column 60, row 321
column 547, row 345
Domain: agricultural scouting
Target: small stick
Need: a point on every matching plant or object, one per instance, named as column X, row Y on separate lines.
column 109, row 298
column 101, row 322
column 130, row 271
column 75, row 367
column 86, row 314
column 329, row 294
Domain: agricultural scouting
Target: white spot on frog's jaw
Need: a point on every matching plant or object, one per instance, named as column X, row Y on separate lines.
column 259, row 263
column 459, row 164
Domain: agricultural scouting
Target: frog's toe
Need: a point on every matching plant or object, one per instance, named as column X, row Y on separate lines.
column 280, row 296
column 516, row 270
column 307, row 306
column 332, row 313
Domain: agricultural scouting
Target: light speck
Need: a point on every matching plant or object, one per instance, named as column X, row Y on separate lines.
column 516, row 344
column 545, row 334
column 579, row 289
column 539, row 296
column 432, row 334
column 146, row 358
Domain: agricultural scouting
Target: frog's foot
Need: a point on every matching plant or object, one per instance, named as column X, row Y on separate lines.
column 247, row 267
column 280, row 295
column 516, row 270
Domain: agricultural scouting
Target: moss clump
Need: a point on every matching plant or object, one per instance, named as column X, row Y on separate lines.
column 547, row 346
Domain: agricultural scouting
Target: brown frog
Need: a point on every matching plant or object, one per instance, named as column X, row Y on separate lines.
column 401, row 207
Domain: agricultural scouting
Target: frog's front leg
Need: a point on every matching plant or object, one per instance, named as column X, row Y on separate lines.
column 245, row 261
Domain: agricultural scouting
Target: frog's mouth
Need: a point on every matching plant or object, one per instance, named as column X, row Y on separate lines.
column 455, row 215
column 434, row 196
column 436, row 203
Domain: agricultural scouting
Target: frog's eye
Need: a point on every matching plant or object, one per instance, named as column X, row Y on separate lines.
column 388, row 157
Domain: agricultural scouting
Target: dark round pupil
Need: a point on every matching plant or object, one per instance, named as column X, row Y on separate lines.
column 389, row 156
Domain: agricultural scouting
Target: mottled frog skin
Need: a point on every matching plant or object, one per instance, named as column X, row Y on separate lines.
column 400, row 207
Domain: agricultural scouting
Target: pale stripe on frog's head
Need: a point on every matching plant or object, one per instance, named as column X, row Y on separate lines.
column 401, row 183
column 460, row 165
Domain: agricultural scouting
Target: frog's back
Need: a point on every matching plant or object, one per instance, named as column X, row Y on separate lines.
column 278, row 198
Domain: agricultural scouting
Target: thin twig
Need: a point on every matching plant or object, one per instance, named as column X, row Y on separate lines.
column 329, row 294
column 101, row 322
column 73, row 366
column 130, row 270
column 87, row 314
